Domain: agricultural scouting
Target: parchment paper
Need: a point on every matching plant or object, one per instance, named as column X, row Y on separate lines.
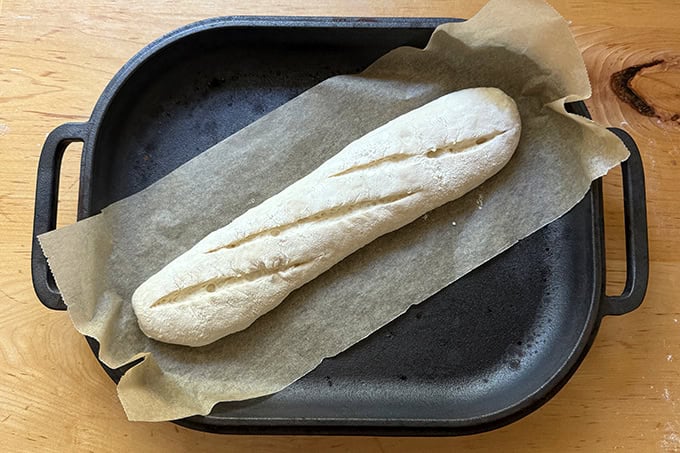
column 522, row 47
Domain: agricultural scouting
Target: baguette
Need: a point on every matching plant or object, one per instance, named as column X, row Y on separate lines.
column 376, row 184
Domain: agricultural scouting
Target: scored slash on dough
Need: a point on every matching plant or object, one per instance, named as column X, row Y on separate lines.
column 457, row 147
column 325, row 215
column 464, row 145
column 218, row 283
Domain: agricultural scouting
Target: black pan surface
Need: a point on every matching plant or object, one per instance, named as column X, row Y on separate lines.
column 486, row 350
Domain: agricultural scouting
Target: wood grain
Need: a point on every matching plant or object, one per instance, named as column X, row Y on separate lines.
column 56, row 58
column 658, row 86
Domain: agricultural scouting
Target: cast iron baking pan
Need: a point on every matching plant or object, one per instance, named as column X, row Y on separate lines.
column 481, row 353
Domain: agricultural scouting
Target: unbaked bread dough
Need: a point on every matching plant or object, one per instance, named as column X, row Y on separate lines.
column 375, row 185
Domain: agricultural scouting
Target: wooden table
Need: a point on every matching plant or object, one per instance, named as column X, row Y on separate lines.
column 55, row 59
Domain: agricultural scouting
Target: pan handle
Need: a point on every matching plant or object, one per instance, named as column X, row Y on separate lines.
column 46, row 199
column 635, row 215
